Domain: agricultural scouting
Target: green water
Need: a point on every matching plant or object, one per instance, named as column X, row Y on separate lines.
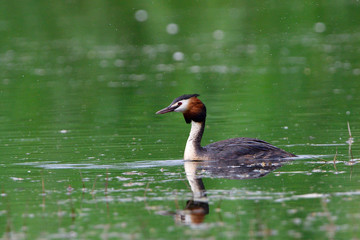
column 83, row 155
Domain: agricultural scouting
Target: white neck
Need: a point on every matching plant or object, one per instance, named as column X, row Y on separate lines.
column 193, row 147
column 196, row 184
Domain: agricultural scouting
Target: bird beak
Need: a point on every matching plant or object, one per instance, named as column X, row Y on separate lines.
column 166, row 110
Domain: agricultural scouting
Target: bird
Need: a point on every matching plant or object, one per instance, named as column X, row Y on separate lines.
column 242, row 148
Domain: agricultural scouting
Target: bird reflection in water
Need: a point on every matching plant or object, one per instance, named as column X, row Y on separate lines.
column 198, row 207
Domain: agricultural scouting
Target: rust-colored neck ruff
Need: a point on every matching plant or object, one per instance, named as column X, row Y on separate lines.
column 196, row 111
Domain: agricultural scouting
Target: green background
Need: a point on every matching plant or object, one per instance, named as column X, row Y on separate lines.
column 83, row 155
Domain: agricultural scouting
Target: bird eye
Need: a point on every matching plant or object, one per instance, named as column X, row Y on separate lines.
column 179, row 103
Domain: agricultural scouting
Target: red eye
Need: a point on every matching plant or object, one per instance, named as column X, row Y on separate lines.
column 179, row 103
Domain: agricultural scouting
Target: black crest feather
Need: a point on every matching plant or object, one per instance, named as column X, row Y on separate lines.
column 185, row 96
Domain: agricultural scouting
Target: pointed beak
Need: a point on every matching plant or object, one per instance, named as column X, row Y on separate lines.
column 166, row 110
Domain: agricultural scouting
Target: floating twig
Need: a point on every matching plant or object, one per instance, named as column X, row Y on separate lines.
column 93, row 188
column 348, row 125
column 350, row 141
column 82, row 180
column 335, row 160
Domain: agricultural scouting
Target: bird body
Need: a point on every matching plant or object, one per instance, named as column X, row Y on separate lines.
column 194, row 112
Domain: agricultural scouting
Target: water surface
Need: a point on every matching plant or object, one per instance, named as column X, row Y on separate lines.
column 85, row 157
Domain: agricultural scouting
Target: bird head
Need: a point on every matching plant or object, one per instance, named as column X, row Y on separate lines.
column 191, row 107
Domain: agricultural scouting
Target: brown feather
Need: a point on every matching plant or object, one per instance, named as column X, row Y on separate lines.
column 196, row 111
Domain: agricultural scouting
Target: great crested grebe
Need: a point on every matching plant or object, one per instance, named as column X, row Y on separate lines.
column 194, row 112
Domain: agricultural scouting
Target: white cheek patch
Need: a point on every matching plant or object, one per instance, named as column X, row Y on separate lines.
column 183, row 107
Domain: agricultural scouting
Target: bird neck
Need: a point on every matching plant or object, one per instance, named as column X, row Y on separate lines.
column 193, row 147
column 196, row 183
